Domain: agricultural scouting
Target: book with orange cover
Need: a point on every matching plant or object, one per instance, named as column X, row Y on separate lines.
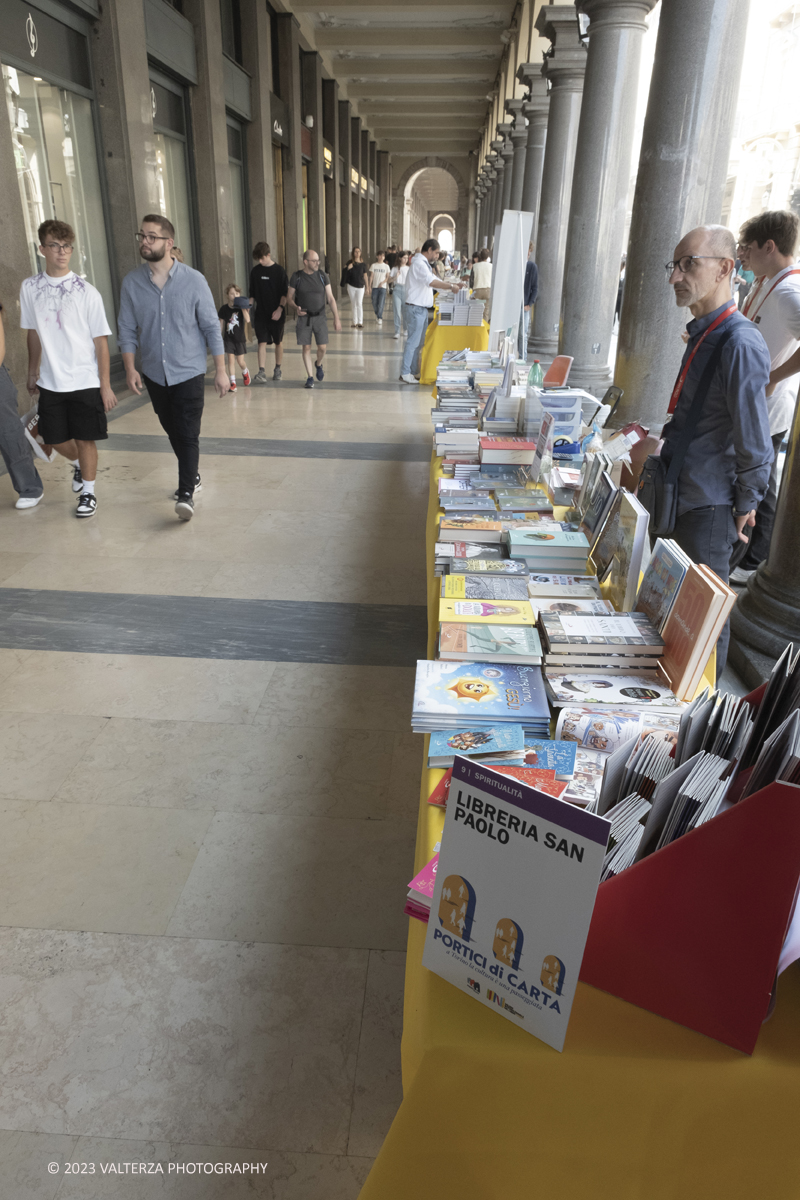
column 541, row 778
column 689, row 629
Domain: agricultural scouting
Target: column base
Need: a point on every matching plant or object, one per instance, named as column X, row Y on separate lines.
column 543, row 348
column 592, row 377
column 765, row 617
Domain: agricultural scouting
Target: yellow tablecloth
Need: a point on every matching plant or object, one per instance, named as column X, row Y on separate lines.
column 449, row 337
column 635, row 1108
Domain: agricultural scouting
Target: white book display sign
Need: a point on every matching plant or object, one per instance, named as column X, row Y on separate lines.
column 516, row 885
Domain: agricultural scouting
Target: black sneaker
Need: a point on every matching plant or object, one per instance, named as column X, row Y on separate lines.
column 309, row 382
column 276, row 374
column 198, row 487
column 185, row 508
column 320, row 372
column 87, row 505
column 77, row 480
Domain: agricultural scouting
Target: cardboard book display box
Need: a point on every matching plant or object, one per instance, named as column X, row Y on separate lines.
column 694, row 932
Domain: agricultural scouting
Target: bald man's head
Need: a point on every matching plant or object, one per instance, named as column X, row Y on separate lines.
column 708, row 255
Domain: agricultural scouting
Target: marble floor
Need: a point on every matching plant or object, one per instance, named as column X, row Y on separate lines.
column 203, row 850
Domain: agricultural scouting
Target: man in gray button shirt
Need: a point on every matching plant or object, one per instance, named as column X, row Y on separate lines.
column 726, row 469
column 167, row 310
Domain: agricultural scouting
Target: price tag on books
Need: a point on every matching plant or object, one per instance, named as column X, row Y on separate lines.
column 515, row 887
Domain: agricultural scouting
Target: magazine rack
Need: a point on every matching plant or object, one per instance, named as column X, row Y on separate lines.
column 694, row 932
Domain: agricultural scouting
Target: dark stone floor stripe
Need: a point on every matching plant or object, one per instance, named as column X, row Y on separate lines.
column 155, row 443
column 371, row 635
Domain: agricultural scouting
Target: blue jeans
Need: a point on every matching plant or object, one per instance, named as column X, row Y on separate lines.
column 523, row 335
column 398, row 307
column 417, row 324
column 378, row 301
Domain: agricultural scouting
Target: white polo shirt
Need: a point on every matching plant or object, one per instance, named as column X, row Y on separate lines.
column 420, row 282
column 774, row 306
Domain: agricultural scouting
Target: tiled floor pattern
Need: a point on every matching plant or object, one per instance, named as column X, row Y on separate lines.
column 202, row 860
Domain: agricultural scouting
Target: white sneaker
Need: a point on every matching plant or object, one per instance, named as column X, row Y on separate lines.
column 28, row 501
column 740, row 575
column 408, row 379
column 397, row 337
column 380, row 322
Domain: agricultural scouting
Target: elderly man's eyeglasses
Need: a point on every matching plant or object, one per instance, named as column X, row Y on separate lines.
column 150, row 238
column 686, row 264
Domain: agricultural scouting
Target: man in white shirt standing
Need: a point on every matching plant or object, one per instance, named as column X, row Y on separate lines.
column 420, row 282
column 767, row 246
column 68, row 358
column 379, row 273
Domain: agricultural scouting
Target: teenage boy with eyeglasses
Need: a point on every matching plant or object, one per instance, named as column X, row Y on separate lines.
column 167, row 310
column 725, row 472
column 68, row 358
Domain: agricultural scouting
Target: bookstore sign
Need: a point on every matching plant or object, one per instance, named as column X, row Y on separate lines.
column 279, row 116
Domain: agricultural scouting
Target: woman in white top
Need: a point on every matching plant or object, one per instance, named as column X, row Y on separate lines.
column 397, row 277
column 482, row 276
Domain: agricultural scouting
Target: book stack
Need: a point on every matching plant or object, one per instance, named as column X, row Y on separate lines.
column 487, row 562
column 449, row 695
column 481, row 529
column 549, row 549
column 504, row 742
column 506, row 451
column 586, row 643
column 691, row 604
column 459, row 443
column 597, row 732
column 522, row 500
column 609, row 689
column 458, row 504
column 420, row 891
column 619, row 549
column 449, row 556
column 487, row 618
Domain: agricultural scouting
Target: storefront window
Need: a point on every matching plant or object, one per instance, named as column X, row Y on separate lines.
column 172, row 165
column 238, row 203
column 56, row 160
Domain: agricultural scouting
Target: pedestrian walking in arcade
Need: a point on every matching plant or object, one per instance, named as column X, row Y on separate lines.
column 167, row 311
column 309, row 292
column 68, row 357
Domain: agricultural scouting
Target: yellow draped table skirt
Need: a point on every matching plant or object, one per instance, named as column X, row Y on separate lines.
column 635, row 1108
column 449, row 337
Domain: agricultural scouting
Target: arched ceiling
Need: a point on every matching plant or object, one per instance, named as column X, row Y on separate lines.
column 436, row 188
column 419, row 73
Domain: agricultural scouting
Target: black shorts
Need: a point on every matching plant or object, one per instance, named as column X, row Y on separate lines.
column 233, row 347
column 66, row 415
column 269, row 331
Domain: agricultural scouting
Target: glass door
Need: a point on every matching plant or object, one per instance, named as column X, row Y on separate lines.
column 55, row 154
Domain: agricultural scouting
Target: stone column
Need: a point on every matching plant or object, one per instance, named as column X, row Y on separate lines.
column 508, row 174
column 345, row 195
column 767, row 614
column 519, row 142
column 535, row 110
column 356, row 229
column 333, row 192
column 289, row 66
column 596, row 229
column 680, row 182
column 384, row 208
column 312, row 106
column 257, row 56
column 564, row 69
column 499, row 180
column 478, row 218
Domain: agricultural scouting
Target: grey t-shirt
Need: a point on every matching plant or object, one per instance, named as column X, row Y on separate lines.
column 310, row 290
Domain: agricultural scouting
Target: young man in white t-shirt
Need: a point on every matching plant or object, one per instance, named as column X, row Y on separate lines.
column 68, row 358
column 379, row 273
column 767, row 246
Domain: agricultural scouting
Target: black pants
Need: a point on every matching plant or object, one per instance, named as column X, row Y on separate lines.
column 761, row 535
column 179, row 408
column 708, row 536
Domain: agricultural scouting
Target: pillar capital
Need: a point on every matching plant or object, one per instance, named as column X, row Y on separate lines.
column 497, row 146
column 504, row 128
column 617, row 14
column 565, row 63
column 514, row 108
column 529, row 73
column 536, row 107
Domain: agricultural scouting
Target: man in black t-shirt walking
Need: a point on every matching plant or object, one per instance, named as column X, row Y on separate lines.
column 309, row 292
column 269, row 287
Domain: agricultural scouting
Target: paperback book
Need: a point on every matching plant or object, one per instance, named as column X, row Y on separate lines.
column 449, row 695
column 502, row 741
column 485, row 587
column 646, row 688
column 661, row 582
column 490, row 643
column 483, row 612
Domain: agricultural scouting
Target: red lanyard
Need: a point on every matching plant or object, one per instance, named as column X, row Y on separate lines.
column 679, row 382
column 778, row 279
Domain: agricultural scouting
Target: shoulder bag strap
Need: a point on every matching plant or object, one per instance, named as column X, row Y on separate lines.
column 684, row 438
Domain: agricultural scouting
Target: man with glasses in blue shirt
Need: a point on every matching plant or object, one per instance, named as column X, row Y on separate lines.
column 726, row 469
column 167, row 311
